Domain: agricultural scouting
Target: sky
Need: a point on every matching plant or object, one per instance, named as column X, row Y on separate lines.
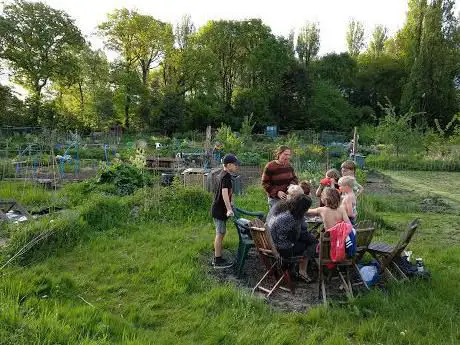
column 282, row 17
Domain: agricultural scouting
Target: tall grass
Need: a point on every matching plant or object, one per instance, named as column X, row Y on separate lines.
column 136, row 275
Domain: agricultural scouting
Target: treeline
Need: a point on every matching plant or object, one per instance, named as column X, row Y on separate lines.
column 177, row 78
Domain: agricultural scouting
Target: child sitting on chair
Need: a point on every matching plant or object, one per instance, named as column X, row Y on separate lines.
column 346, row 184
column 337, row 223
column 331, row 213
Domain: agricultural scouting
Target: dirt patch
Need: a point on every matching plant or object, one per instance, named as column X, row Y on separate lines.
column 304, row 297
column 378, row 183
column 434, row 204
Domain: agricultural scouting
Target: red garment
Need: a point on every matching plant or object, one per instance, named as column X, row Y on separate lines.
column 338, row 234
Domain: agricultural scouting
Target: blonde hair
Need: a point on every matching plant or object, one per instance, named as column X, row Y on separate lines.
column 294, row 190
column 350, row 165
column 348, row 181
column 333, row 173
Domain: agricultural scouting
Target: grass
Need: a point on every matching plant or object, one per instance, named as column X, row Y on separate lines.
column 441, row 183
column 145, row 281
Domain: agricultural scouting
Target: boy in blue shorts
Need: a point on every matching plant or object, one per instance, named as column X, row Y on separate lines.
column 222, row 207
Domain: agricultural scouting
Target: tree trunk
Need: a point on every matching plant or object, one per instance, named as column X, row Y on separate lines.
column 127, row 105
column 82, row 100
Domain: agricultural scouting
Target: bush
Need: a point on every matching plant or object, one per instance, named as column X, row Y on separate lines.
column 126, row 178
column 251, row 158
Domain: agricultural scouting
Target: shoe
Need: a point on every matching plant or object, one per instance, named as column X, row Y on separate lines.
column 221, row 263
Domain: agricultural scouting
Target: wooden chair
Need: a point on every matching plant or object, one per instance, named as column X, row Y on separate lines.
column 277, row 267
column 364, row 233
column 386, row 253
column 244, row 234
column 325, row 261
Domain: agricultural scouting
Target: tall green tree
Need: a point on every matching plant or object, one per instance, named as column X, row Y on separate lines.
column 38, row 43
column 355, row 37
column 308, row 43
column 141, row 42
column 430, row 89
column 377, row 44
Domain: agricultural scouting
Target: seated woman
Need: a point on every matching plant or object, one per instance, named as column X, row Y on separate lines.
column 289, row 238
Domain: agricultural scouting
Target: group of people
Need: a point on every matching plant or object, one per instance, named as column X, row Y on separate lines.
column 289, row 204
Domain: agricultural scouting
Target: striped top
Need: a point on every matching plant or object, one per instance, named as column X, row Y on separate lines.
column 277, row 177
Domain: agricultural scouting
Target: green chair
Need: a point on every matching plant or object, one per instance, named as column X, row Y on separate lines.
column 244, row 234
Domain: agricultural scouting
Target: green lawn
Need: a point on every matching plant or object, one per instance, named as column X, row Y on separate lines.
column 146, row 282
column 436, row 182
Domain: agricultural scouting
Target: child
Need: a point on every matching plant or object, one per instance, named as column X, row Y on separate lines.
column 332, row 213
column 349, row 169
column 346, row 184
column 331, row 179
column 222, row 207
column 336, row 222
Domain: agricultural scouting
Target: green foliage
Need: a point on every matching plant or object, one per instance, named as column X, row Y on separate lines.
column 225, row 135
column 397, row 131
column 329, row 109
column 308, row 42
column 246, row 129
column 37, row 56
column 126, row 178
column 251, row 158
column 355, row 37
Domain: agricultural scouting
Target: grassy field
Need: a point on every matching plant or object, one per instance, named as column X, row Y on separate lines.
column 142, row 279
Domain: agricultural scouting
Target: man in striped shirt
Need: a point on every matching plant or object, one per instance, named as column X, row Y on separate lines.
column 278, row 175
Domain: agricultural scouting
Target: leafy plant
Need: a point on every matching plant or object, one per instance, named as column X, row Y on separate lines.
column 126, row 178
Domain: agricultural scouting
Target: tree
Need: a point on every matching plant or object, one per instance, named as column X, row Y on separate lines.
column 355, row 37
column 396, row 131
column 377, row 44
column 430, row 89
column 308, row 43
column 141, row 41
column 339, row 69
column 38, row 43
column 184, row 31
column 11, row 108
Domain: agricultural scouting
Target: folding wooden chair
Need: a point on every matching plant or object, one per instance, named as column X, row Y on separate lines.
column 244, row 234
column 277, row 267
column 325, row 261
column 364, row 233
column 386, row 254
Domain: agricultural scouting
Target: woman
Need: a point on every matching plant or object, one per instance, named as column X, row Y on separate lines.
column 278, row 175
column 289, row 237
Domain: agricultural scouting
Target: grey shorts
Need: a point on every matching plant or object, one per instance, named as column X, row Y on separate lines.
column 221, row 226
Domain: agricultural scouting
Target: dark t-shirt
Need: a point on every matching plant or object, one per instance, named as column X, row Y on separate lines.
column 219, row 210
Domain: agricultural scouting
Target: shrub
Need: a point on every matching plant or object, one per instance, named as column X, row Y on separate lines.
column 126, row 178
column 250, row 158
